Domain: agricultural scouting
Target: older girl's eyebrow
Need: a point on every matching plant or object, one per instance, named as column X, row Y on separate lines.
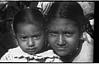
column 55, row 32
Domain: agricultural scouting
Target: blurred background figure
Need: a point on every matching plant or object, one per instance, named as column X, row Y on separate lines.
column 88, row 8
column 44, row 6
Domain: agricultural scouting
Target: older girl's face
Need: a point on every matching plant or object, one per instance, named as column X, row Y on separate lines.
column 30, row 38
column 63, row 36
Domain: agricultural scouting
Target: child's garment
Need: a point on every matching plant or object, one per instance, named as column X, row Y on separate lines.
column 17, row 55
column 50, row 56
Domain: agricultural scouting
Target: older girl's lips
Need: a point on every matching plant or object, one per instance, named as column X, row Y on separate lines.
column 61, row 48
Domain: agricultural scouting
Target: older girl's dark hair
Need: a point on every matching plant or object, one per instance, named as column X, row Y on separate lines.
column 70, row 10
column 31, row 16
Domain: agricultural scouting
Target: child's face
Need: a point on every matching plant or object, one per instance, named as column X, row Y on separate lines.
column 30, row 38
column 63, row 36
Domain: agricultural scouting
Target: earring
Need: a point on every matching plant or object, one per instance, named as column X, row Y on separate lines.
column 48, row 44
column 77, row 48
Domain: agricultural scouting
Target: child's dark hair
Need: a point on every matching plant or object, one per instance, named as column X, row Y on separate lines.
column 31, row 16
column 70, row 10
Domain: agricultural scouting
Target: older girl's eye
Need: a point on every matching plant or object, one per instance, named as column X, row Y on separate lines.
column 68, row 34
column 52, row 34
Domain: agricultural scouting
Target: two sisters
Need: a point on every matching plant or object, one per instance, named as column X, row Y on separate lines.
column 57, row 38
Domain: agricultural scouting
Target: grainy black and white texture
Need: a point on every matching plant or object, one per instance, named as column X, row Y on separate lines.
column 8, row 10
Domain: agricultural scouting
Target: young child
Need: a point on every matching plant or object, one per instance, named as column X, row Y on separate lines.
column 29, row 33
column 66, row 34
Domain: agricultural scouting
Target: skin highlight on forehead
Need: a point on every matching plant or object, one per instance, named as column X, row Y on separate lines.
column 63, row 25
column 28, row 28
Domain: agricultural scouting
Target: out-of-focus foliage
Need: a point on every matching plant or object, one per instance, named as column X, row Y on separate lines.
column 88, row 7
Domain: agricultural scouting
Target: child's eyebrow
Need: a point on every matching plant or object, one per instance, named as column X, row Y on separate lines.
column 23, row 34
column 36, row 33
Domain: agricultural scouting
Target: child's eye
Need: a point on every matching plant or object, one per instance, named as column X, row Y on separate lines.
column 24, row 38
column 36, row 37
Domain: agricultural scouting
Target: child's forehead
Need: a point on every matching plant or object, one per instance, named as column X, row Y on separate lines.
column 25, row 27
column 24, row 24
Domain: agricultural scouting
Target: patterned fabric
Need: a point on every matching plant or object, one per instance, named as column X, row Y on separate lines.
column 50, row 56
column 45, row 6
column 17, row 55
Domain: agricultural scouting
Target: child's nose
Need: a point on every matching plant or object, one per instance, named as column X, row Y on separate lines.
column 31, row 42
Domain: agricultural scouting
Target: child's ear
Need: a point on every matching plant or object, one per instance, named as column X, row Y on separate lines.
column 16, row 39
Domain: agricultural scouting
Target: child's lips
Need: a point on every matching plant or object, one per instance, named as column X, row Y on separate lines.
column 31, row 49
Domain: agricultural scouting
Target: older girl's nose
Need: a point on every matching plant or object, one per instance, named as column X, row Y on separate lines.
column 61, row 41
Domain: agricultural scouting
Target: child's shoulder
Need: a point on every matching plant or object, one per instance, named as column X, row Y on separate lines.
column 10, row 54
column 14, row 50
